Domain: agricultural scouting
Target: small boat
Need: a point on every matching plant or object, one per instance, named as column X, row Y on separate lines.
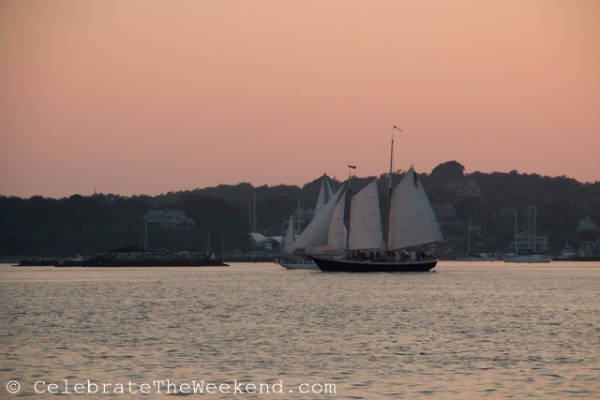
column 297, row 262
column 349, row 234
column 567, row 253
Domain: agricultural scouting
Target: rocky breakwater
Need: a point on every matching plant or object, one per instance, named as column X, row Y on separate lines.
column 159, row 258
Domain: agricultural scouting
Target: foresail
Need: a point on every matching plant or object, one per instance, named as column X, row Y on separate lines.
column 317, row 232
column 325, row 194
column 365, row 220
column 412, row 219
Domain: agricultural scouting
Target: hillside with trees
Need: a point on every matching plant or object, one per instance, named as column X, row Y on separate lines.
column 86, row 225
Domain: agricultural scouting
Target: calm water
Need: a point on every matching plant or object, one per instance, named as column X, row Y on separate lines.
column 482, row 330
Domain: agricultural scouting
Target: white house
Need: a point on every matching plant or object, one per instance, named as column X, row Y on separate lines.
column 173, row 219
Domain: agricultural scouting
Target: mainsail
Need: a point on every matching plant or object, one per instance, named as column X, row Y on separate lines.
column 365, row 220
column 338, row 234
column 327, row 232
column 412, row 220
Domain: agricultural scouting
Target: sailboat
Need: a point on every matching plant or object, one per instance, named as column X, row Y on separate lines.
column 469, row 256
column 349, row 229
column 301, row 261
column 294, row 261
column 528, row 246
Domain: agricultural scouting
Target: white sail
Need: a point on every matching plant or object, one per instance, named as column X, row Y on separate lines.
column 412, row 220
column 325, row 194
column 365, row 220
column 338, row 234
column 317, row 232
column 289, row 237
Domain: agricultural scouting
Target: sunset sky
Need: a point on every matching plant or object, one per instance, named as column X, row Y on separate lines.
column 150, row 96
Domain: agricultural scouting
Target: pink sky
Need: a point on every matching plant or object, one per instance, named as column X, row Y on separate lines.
column 149, row 96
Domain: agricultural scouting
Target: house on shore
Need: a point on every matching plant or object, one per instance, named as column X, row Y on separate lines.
column 172, row 219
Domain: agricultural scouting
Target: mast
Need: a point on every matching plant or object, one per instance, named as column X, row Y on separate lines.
column 469, row 239
column 222, row 245
column 534, row 227
column 389, row 199
column 348, row 209
column 146, row 236
column 208, row 240
column 516, row 230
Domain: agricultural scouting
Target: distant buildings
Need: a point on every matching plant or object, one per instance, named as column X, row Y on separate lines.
column 587, row 224
column 526, row 242
column 589, row 249
column 172, row 219
column 465, row 187
column 447, row 215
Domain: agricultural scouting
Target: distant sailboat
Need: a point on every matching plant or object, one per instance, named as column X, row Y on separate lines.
column 350, row 225
column 525, row 244
column 469, row 256
column 298, row 261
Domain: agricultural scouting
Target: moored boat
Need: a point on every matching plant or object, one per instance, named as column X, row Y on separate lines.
column 298, row 263
column 567, row 253
column 527, row 258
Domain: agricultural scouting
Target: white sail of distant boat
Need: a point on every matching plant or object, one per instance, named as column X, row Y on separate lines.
column 289, row 236
column 323, row 211
column 317, row 232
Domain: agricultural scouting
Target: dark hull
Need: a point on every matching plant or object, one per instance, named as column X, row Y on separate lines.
column 333, row 265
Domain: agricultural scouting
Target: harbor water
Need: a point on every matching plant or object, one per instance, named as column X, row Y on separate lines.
column 466, row 331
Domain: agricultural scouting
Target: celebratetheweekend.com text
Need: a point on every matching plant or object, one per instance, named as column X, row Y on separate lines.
column 234, row 387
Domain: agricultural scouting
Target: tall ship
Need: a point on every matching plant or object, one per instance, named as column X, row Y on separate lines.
column 348, row 235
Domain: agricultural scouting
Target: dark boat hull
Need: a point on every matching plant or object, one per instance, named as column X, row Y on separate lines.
column 333, row 265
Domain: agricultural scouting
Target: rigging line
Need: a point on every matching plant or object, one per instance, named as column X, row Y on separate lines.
column 378, row 153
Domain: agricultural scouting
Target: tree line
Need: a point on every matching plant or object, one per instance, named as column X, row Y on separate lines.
column 87, row 225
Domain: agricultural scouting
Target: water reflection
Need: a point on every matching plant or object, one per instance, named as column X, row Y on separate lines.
column 466, row 331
